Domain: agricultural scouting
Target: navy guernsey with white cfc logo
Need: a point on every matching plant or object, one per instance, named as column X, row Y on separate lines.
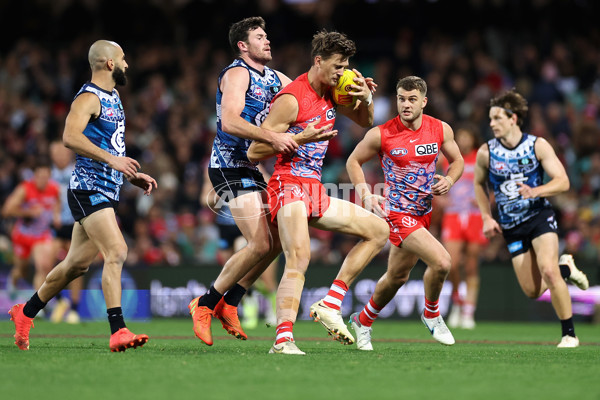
column 107, row 132
column 229, row 151
column 509, row 167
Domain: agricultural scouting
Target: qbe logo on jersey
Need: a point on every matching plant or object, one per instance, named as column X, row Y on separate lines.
column 426, row 149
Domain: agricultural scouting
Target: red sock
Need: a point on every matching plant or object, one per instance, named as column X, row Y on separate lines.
column 369, row 313
column 456, row 299
column 432, row 308
column 284, row 332
column 336, row 294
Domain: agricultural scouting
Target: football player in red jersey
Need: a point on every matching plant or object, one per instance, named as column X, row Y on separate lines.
column 297, row 198
column 408, row 146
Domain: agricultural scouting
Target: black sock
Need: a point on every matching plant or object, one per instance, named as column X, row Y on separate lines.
column 234, row 295
column 74, row 306
column 210, row 298
column 33, row 306
column 115, row 319
column 567, row 327
column 565, row 271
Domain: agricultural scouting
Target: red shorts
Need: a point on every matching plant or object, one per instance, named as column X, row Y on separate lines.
column 286, row 189
column 23, row 244
column 463, row 228
column 402, row 225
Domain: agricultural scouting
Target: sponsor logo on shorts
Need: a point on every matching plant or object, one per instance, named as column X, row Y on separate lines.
column 398, row 152
column 97, row 199
column 408, row 222
column 426, row 149
column 248, row 182
column 515, row 246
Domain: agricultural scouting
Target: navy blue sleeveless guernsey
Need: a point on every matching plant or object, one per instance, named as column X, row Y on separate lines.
column 106, row 132
column 507, row 168
column 229, row 151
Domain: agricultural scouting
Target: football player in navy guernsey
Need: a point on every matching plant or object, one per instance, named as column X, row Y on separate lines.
column 94, row 130
column 245, row 90
column 513, row 164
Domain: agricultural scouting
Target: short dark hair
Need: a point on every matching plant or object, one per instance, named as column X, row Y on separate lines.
column 326, row 44
column 42, row 161
column 240, row 30
column 512, row 103
column 409, row 83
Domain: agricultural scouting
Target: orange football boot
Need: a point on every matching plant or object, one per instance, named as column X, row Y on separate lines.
column 22, row 326
column 124, row 339
column 201, row 315
column 229, row 319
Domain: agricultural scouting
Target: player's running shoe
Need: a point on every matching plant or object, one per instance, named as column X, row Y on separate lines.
column 332, row 321
column 568, row 342
column 22, row 326
column 455, row 317
column 124, row 339
column 438, row 329
column 201, row 316
column 363, row 333
column 228, row 316
column 578, row 278
column 287, row 347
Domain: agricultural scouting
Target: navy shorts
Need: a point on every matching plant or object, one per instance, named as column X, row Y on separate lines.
column 519, row 238
column 85, row 202
column 64, row 232
column 230, row 183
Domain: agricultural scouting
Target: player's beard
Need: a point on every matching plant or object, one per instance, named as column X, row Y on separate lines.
column 119, row 76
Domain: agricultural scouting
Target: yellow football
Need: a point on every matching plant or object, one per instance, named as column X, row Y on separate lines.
column 341, row 92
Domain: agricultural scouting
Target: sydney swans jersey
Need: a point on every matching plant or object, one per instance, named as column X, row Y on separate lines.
column 46, row 199
column 108, row 133
column 509, row 167
column 462, row 196
column 307, row 161
column 408, row 160
column 229, row 151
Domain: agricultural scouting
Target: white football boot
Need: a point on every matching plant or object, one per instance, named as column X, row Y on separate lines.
column 438, row 329
column 332, row 321
column 363, row 333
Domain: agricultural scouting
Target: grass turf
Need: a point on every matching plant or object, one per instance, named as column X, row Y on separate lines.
column 495, row 361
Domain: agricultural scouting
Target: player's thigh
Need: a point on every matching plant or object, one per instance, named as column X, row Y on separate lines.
column 103, row 230
column 546, row 250
column 43, row 255
column 82, row 250
column 528, row 273
column 345, row 217
column 249, row 214
column 424, row 245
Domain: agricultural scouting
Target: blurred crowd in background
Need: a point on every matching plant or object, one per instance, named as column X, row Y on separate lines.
column 467, row 51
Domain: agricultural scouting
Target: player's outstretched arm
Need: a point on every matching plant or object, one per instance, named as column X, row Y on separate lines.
column 84, row 108
column 490, row 225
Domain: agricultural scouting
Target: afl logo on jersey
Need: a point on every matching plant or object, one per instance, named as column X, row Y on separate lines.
column 426, row 149
column 398, row 152
column 408, row 222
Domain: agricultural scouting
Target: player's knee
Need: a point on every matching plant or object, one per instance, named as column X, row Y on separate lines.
column 379, row 232
column 116, row 254
column 396, row 280
column 532, row 293
column 297, row 258
column 259, row 247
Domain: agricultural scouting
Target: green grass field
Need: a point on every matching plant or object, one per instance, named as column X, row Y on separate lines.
column 495, row 361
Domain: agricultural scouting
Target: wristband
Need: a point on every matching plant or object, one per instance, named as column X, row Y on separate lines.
column 368, row 196
column 449, row 179
column 369, row 99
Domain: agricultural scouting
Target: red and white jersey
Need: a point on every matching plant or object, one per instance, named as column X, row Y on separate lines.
column 307, row 161
column 461, row 199
column 408, row 160
column 47, row 199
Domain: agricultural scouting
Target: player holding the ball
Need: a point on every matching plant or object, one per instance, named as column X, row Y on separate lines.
column 297, row 198
column 408, row 147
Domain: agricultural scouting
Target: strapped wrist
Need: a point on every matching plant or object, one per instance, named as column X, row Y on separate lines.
column 450, row 180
